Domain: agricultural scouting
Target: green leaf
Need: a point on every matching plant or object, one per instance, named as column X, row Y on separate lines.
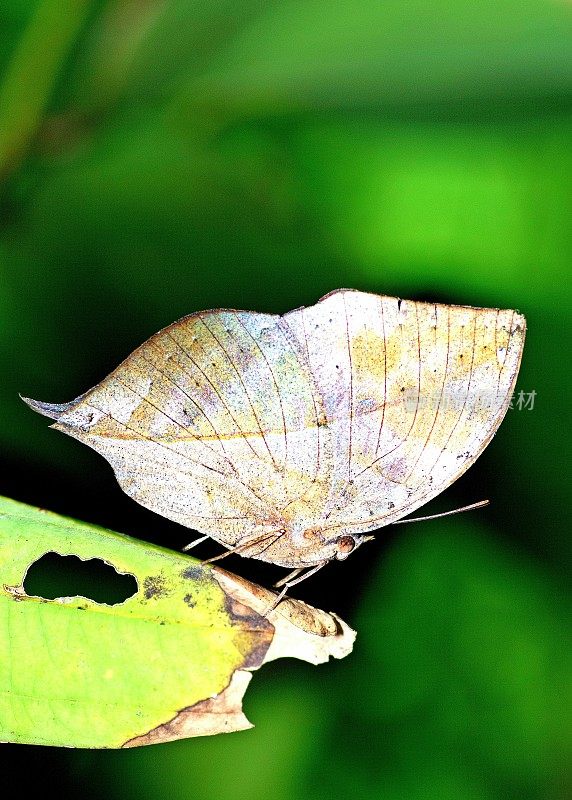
column 171, row 661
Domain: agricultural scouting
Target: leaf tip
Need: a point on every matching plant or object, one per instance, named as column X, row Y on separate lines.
column 51, row 410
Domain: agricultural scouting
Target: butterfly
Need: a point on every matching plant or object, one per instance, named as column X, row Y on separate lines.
column 289, row 438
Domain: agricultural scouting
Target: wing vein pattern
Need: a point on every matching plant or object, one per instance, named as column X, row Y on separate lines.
column 343, row 416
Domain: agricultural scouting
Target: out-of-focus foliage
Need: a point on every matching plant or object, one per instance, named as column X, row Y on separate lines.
column 163, row 156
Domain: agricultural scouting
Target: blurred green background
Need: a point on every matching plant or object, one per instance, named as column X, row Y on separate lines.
column 159, row 157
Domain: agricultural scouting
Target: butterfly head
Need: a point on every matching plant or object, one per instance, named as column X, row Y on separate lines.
column 326, row 547
column 347, row 543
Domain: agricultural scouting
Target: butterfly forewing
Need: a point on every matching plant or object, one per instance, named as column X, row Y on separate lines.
column 200, row 426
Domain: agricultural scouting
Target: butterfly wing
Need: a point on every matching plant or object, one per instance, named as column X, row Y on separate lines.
column 214, row 423
column 412, row 391
column 345, row 415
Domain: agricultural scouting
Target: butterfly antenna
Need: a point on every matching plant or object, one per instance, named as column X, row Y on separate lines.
column 480, row 504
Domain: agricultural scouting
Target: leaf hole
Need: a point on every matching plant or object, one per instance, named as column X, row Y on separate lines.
column 54, row 576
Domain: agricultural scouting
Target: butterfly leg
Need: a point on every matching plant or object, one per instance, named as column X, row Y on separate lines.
column 222, row 555
column 252, row 542
column 292, row 580
column 288, row 577
column 196, row 542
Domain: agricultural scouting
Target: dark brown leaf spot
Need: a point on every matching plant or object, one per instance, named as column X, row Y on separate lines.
column 194, row 573
column 253, row 648
column 154, row 586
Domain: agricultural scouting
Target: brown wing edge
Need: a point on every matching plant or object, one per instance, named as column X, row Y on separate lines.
column 407, row 300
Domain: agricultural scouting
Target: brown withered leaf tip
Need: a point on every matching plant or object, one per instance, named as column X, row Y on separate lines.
column 294, row 629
